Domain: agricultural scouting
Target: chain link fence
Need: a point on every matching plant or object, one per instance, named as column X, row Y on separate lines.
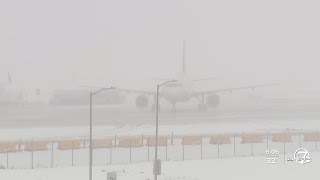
column 50, row 153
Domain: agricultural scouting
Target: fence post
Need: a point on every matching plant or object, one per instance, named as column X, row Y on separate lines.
column 183, row 152
column 316, row 145
column 172, row 138
column 166, row 152
column 148, row 153
column 84, row 141
column 72, row 154
column 234, row 145
column 267, row 140
column 130, row 153
column 19, row 147
column 251, row 148
column 201, row 147
column 52, row 154
column 7, row 156
column 32, row 154
column 111, row 155
column 218, row 148
column 284, row 151
column 299, row 139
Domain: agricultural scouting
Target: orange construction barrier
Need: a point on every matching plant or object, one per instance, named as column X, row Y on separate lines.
column 130, row 142
column 281, row 137
column 252, row 138
column 191, row 140
column 162, row 141
column 311, row 137
column 36, row 146
column 102, row 143
column 7, row 147
column 220, row 139
column 69, row 144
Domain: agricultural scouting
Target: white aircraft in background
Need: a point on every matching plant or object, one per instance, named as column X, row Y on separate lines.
column 6, row 96
column 179, row 89
column 13, row 96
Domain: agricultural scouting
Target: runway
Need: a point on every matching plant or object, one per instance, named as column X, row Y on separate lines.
column 128, row 114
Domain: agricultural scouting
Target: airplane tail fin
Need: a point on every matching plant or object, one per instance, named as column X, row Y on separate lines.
column 184, row 57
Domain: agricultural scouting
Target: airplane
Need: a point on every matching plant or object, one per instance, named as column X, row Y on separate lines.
column 13, row 96
column 3, row 85
column 6, row 96
column 180, row 89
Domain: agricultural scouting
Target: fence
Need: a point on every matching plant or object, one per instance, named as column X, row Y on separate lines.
column 118, row 150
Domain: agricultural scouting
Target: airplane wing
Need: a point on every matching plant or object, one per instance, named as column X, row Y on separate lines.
column 137, row 91
column 124, row 90
column 231, row 89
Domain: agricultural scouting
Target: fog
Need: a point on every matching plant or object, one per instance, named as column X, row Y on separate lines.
column 50, row 44
column 52, row 52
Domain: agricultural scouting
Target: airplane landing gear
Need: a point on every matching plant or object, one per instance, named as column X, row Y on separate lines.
column 203, row 107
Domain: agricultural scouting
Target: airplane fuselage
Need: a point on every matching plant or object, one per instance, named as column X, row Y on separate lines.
column 178, row 91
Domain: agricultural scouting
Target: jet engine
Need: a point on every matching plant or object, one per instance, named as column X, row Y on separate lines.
column 142, row 101
column 213, row 100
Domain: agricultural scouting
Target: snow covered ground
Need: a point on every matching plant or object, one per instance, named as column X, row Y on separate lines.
column 173, row 153
column 225, row 167
column 247, row 168
column 192, row 128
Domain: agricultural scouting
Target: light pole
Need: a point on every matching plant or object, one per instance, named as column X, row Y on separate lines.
column 157, row 127
column 90, row 145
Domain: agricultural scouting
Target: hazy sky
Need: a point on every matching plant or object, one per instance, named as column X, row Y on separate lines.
column 127, row 42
